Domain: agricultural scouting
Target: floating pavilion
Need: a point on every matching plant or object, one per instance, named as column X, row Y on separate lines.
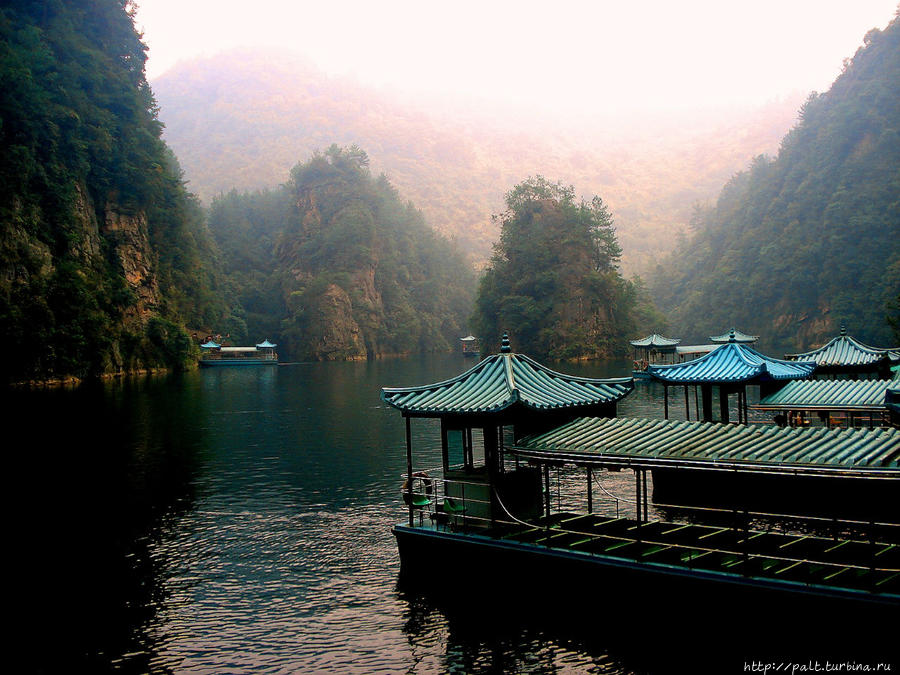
column 845, row 355
column 731, row 367
column 504, row 392
column 653, row 349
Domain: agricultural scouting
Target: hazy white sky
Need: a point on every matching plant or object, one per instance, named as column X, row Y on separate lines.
column 643, row 54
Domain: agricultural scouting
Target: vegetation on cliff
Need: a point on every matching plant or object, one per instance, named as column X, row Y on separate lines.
column 553, row 282
column 102, row 250
column 799, row 244
column 335, row 265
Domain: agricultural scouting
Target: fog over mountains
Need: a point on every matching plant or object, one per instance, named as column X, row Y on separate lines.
column 242, row 119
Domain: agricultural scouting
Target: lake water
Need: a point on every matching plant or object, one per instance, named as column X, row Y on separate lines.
column 238, row 520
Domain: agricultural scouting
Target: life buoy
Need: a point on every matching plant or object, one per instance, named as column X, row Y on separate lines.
column 426, row 480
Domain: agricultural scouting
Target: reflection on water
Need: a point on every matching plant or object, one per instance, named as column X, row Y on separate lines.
column 238, row 520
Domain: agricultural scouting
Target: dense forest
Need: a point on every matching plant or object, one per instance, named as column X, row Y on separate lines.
column 337, row 266
column 241, row 119
column 108, row 263
column 798, row 244
column 553, row 282
column 104, row 256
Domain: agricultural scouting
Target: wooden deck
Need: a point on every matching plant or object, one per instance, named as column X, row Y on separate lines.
column 847, row 563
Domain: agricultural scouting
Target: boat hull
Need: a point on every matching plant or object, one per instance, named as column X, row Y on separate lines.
column 237, row 362
column 428, row 553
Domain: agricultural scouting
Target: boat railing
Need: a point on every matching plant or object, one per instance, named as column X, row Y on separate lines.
column 552, row 533
column 447, row 501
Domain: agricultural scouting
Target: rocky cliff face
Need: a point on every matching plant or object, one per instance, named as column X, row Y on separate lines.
column 333, row 333
column 131, row 250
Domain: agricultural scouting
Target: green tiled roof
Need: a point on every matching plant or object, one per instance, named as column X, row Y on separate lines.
column 655, row 341
column 501, row 381
column 731, row 363
column 734, row 335
column 829, row 395
column 845, row 351
column 661, row 443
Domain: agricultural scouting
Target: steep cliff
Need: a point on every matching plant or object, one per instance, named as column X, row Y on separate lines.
column 338, row 267
column 103, row 253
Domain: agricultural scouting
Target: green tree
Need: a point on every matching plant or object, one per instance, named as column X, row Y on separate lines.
column 553, row 281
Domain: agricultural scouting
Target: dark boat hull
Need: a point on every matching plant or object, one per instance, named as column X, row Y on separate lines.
column 429, row 554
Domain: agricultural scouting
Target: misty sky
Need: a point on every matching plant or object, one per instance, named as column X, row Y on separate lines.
column 586, row 55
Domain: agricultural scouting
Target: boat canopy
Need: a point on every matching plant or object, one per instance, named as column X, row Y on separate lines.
column 731, row 363
column 829, row 395
column 237, row 350
column 656, row 341
column 704, row 445
column 690, row 350
column 845, row 351
column 502, row 381
column 734, row 335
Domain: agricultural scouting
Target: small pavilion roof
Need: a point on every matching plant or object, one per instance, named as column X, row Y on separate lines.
column 501, row 381
column 655, row 341
column 265, row 344
column 829, row 395
column 731, row 362
column 210, row 345
column 666, row 443
column 846, row 351
column 468, row 338
column 736, row 335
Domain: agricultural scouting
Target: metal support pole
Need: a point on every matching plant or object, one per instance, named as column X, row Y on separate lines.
column 687, row 404
column 590, row 491
column 646, row 499
column 637, row 493
column 547, row 491
column 409, row 480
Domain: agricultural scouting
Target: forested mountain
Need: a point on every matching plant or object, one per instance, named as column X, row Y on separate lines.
column 797, row 244
column 337, row 266
column 553, row 282
column 241, row 119
column 102, row 251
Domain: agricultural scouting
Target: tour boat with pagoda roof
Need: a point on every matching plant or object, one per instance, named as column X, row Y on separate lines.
column 847, row 356
column 490, row 514
column 214, row 354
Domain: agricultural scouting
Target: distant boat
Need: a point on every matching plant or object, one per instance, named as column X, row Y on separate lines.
column 471, row 346
column 652, row 350
column 214, row 354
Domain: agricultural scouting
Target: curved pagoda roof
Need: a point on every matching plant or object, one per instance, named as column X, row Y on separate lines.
column 655, row 341
column 265, row 344
column 210, row 345
column 846, row 351
column 502, row 381
column 732, row 362
column 734, row 335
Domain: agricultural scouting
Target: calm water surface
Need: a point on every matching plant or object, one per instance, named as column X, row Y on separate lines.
column 238, row 520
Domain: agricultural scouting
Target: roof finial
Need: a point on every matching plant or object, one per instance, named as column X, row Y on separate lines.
column 843, row 328
column 731, row 337
column 504, row 344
